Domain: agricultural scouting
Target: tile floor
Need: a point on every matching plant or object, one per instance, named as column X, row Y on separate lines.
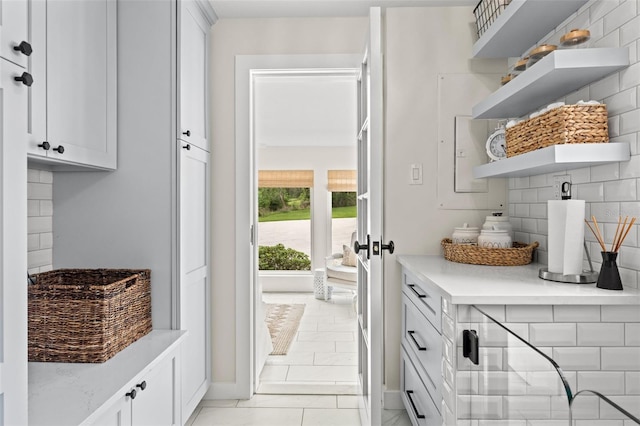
column 314, row 384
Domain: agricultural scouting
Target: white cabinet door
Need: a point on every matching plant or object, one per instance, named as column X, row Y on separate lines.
column 37, row 67
column 194, row 32
column 194, row 274
column 13, row 252
column 119, row 414
column 81, row 81
column 14, row 40
column 155, row 403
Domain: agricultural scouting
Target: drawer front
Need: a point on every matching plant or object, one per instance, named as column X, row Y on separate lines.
column 420, row 407
column 424, row 297
column 424, row 345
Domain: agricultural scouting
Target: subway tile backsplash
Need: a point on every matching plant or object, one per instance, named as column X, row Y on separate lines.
column 39, row 221
column 610, row 190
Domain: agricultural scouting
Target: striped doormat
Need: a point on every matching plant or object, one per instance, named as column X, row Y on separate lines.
column 283, row 321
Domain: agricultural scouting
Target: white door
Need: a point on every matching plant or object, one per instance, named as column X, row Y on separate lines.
column 194, row 274
column 370, row 226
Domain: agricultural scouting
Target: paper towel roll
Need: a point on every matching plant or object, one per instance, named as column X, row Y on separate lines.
column 566, row 236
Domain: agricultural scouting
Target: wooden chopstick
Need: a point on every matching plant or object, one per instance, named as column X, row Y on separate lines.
column 633, row 220
column 615, row 236
column 596, row 235
column 599, row 236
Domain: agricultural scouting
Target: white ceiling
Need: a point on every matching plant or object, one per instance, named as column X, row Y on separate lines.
column 316, row 8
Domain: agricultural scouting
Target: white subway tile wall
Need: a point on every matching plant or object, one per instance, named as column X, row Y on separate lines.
column 613, row 189
column 597, row 348
column 39, row 221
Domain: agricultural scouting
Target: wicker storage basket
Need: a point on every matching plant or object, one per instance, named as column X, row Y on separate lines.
column 87, row 315
column 565, row 124
column 520, row 254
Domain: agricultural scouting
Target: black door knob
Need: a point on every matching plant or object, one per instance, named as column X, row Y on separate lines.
column 187, row 147
column 45, row 145
column 357, row 247
column 60, row 149
column 391, row 247
column 131, row 394
column 25, row 78
column 24, row 47
column 142, row 385
column 187, row 133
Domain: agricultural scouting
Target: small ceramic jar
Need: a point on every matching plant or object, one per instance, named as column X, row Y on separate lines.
column 465, row 235
column 494, row 238
column 499, row 222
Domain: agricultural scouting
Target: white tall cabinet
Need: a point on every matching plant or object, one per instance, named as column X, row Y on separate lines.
column 13, row 251
column 13, row 212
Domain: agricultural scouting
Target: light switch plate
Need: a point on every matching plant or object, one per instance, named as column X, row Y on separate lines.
column 557, row 185
column 415, row 174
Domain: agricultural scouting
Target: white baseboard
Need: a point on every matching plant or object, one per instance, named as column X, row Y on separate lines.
column 225, row 390
column 392, row 400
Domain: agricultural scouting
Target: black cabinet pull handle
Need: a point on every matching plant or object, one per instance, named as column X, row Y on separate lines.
column 413, row 405
column 142, row 385
column 131, row 394
column 25, row 78
column 412, row 287
column 45, row 145
column 411, row 334
column 60, row 149
column 24, row 47
column 187, row 147
column 187, row 133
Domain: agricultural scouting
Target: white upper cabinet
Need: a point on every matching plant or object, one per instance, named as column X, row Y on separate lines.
column 15, row 45
column 194, row 32
column 80, row 89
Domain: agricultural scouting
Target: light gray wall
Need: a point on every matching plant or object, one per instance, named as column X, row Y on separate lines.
column 612, row 189
column 420, row 44
column 231, row 37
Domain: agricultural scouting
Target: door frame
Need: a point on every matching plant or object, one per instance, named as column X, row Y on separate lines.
column 245, row 373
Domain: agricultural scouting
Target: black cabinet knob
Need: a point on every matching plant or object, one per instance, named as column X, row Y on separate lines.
column 45, row 145
column 187, row 147
column 25, row 78
column 131, row 394
column 24, row 47
column 60, row 149
column 142, row 385
column 187, row 133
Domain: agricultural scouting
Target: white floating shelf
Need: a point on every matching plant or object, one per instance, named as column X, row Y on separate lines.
column 557, row 74
column 555, row 158
column 522, row 24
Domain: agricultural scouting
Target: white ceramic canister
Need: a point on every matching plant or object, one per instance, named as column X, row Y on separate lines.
column 494, row 238
column 499, row 222
column 465, row 235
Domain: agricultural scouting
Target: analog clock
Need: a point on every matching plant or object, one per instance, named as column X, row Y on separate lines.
column 497, row 145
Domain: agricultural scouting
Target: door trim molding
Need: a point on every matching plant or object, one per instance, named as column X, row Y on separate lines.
column 244, row 294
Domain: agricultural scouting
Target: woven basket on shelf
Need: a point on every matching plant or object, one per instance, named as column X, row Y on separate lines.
column 565, row 124
column 520, row 254
column 87, row 315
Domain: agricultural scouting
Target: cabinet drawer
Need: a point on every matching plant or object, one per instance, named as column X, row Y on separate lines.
column 424, row 297
column 420, row 407
column 424, row 345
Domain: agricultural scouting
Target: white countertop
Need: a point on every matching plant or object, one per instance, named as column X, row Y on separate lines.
column 69, row 393
column 465, row 284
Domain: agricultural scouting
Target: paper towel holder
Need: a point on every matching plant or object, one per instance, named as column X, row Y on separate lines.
column 586, row 277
